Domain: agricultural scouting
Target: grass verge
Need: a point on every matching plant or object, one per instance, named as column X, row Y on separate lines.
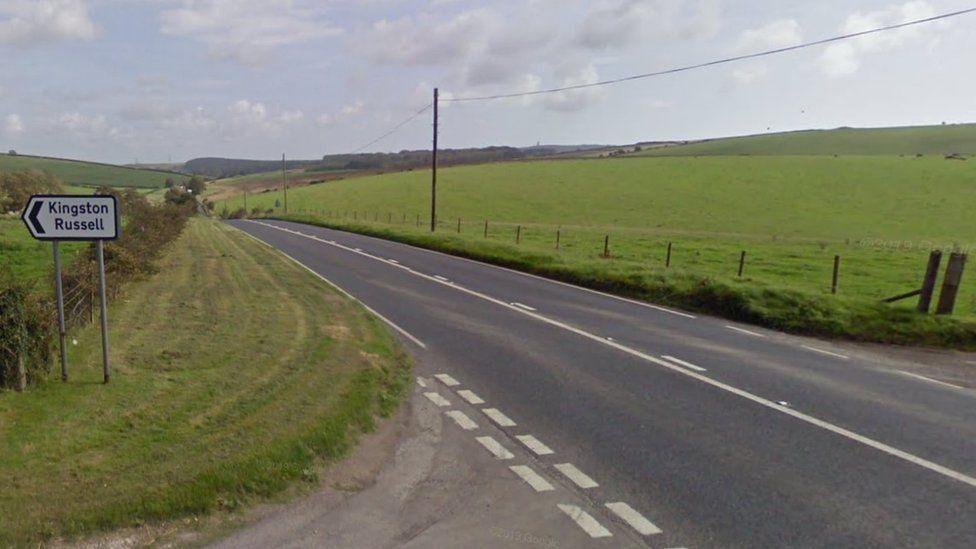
column 236, row 373
column 747, row 301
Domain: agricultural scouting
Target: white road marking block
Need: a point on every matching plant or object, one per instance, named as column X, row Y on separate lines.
column 421, row 382
column 495, row 448
column 585, row 521
column 470, row 397
column 523, row 306
column 683, row 363
column 442, row 278
column 393, row 261
column 578, row 477
column 437, row 399
column 744, row 331
column 811, row 420
column 532, row 478
column 447, row 380
column 823, row 352
column 533, row 444
column 501, row 419
column 462, row 420
column 930, row 380
column 636, row 520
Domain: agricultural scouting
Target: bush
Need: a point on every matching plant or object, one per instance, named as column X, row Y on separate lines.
column 26, row 330
column 16, row 188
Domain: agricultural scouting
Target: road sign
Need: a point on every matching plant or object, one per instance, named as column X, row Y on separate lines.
column 72, row 217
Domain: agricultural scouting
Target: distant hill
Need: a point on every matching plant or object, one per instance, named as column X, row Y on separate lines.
column 939, row 140
column 88, row 174
column 403, row 160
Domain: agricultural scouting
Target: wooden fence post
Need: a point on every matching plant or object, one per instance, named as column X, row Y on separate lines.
column 459, row 226
column 557, row 239
column 928, row 283
column 606, row 246
column 667, row 261
column 950, row 284
column 742, row 262
column 21, row 372
column 418, row 220
column 833, row 279
column 486, row 228
column 518, row 234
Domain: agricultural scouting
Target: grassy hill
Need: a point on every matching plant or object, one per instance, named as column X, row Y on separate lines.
column 909, row 141
column 89, row 174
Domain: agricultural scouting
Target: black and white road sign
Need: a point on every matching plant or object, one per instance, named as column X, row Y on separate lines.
column 72, row 217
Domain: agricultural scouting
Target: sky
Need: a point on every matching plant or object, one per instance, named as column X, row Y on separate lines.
column 170, row 80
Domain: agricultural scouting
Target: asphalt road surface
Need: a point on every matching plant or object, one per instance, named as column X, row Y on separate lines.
column 647, row 426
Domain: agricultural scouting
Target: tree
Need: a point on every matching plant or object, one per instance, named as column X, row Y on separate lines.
column 170, row 183
column 196, row 185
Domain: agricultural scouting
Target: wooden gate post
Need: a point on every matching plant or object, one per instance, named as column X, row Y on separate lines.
column 928, row 283
column 950, row 284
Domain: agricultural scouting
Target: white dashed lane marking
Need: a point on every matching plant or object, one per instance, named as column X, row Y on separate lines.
column 823, row 352
column 447, row 380
column 523, row 306
column 636, row 520
column 421, row 382
column 495, row 448
column 533, row 444
column 437, row 399
column 501, row 419
column 441, row 278
column 930, row 380
column 462, row 420
column 744, row 331
column 585, row 521
column 680, row 362
column 393, row 261
column 578, row 477
column 531, row 478
column 470, row 397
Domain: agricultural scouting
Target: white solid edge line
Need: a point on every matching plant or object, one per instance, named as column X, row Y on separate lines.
column 496, row 449
column 578, row 477
column 532, row 478
column 877, row 445
column 683, row 363
column 389, row 322
column 462, row 420
column 930, row 380
column 421, row 382
column 447, row 380
column 823, row 352
column 498, row 417
column 470, row 397
column 636, row 520
column 391, row 260
column 535, row 445
column 529, row 275
column 744, row 331
column 523, row 306
column 437, row 399
column 585, row 521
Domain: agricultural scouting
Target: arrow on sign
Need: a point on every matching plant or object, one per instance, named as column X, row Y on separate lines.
column 32, row 217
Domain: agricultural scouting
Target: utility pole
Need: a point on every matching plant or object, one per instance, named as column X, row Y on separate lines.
column 433, row 172
column 284, row 180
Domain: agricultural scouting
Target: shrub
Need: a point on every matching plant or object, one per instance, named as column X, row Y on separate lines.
column 16, row 188
column 26, row 331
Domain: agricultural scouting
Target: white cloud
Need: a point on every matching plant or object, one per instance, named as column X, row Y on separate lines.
column 88, row 127
column 36, row 22
column 781, row 33
column 425, row 40
column 844, row 58
column 353, row 109
column 613, row 24
column 255, row 116
column 247, row 31
column 13, row 125
column 750, row 73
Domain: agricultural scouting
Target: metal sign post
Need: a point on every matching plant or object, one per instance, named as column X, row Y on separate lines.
column 71, row 217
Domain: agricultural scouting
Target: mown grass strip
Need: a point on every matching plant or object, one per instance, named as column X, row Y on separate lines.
column 237, row 373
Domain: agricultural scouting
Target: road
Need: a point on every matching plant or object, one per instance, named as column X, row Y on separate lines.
column 648, row 426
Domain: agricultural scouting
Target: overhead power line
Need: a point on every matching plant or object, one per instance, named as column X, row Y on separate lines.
column 392, row 130
column 715, row 62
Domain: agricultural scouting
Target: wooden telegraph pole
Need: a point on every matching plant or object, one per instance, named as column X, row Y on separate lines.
column 284, row 180
column 433, row 171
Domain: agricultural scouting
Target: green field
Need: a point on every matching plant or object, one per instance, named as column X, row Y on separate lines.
column 908, row 141
column 88, row 174
column 790, row 214
column 267, row 373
